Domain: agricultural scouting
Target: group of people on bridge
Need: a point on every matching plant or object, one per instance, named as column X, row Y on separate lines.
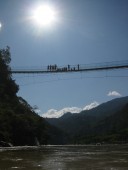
column 68, row 68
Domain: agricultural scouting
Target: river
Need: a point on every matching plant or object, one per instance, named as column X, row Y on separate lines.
column 105, row 157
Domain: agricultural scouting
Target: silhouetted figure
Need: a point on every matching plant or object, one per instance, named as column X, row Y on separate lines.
column 78, row 66
column 48, row 68
column 68, row 67
column 55, row 67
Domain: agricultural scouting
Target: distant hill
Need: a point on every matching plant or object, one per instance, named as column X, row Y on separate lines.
column 89, row 125
column 108, row 108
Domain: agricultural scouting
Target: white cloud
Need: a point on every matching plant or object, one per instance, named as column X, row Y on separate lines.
column 38, row 111
column 52, row 113
column 114, row 93
column 91, row 106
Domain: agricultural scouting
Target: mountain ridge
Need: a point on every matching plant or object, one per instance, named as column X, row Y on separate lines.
column 87, row 122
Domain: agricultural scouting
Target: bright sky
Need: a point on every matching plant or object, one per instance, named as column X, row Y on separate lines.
column 74, row 32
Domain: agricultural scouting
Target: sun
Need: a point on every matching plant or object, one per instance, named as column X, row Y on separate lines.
column 44, row 15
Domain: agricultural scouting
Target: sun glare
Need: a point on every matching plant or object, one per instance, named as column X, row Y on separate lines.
column 44, row 15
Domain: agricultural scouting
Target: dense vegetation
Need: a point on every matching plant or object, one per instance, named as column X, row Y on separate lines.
column 106, row 123
column 19, row 124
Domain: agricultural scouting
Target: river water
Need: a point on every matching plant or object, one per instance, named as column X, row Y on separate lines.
column 105, row 157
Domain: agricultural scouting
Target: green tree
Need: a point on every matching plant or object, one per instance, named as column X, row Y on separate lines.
column 8, row 87
column 19, row 124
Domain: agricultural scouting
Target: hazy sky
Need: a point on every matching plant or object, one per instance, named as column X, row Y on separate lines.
column 84, row 32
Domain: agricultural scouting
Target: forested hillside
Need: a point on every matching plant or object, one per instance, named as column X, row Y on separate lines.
column 19, row 124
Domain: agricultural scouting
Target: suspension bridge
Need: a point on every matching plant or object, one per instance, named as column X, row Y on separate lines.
column 72, row 68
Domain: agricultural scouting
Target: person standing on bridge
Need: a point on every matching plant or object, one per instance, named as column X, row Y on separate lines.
column 78, row 66
column 55, row 67
column 48, row 67
column 68, row 67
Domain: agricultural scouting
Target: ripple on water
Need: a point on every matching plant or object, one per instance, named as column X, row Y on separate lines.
column 16, row 167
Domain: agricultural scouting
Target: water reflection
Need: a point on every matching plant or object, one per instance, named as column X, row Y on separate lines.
column 65, row 158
